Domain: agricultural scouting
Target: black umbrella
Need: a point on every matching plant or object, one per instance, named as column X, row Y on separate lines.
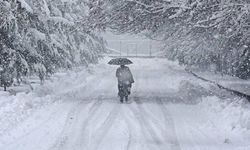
column 120, row 61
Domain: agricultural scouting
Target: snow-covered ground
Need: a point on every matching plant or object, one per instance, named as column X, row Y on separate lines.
column 168, row 109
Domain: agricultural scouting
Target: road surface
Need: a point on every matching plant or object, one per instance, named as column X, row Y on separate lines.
column 88, row 116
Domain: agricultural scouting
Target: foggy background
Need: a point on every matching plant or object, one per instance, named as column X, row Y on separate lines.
column 131, row 44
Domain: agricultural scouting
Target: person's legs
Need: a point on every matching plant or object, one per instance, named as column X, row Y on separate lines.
column 126, row 98
column 120, row 93
column 129, row 88
column 119, row 89
column 121, row 99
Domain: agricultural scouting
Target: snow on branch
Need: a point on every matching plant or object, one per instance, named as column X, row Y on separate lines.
column 26, row 6
column 37, row 34
column 62, row 20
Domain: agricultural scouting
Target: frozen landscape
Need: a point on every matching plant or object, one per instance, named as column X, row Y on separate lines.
column 124, row 74
column 168, row 109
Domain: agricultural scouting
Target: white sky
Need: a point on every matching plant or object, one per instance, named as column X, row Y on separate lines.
column 131, row 43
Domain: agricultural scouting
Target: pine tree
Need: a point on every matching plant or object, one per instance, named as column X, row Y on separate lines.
column 7, row 66
column 46, row 35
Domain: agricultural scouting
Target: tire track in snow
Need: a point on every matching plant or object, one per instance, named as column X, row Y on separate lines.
column 105, row 127
column 147, row 128
column 170, row 133
column 160, row 124
column 71, row 119
column 131, row 131
column 83, row 140
column 69, row 125
column 92, row 111
column 65, row 138
column 129, row 140
column 145, row 125
column 153, row 119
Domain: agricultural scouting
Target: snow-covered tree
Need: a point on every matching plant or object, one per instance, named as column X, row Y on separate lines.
column 48, row 34
column 194, row 31
column 6, row 66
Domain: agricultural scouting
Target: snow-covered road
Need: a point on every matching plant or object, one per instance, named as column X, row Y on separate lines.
column 165, row 113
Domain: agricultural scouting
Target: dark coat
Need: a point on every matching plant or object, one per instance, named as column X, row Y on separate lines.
column 124, row 75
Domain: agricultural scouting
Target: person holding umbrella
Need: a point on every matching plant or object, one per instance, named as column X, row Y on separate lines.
column 124, row 77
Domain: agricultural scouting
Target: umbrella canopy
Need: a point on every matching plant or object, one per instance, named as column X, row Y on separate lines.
column 120, row 61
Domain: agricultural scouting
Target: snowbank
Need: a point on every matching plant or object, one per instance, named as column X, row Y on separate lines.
column 15, row 109
column 192, row 93
column 227, row 81
column 233, row 114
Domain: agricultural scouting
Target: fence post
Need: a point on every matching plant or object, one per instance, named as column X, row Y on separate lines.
column 120, row 48
column 150, row 48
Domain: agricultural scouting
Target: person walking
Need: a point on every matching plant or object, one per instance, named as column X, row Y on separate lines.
column 125, row 80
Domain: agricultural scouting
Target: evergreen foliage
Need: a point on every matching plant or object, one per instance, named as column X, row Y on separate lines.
column 196, row 32
column 39, row 37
